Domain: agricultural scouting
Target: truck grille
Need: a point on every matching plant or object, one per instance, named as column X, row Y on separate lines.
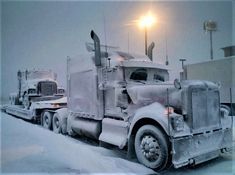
column 205, row 110
column 47, row 88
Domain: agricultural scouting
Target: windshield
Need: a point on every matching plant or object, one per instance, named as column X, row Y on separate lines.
column 158, row 77
column 139, row 74
column 147, row 74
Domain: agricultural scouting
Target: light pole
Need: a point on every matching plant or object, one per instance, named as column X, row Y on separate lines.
column 182, row 62
column 146, row 22
column 210, row 26
column 146, row 40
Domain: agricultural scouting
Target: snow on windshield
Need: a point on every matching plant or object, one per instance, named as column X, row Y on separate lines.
column 39, row 74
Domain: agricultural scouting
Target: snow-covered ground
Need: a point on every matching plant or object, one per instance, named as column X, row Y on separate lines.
column 29, row 148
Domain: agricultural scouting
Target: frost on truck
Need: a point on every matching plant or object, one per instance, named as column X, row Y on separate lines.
column 35, row 85
column 37, row 98
column 128, row 101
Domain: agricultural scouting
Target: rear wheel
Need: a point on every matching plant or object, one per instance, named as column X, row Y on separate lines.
column 151, row 147
column 47, row 119
column 56, row 123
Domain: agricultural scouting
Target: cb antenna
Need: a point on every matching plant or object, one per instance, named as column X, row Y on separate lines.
column 105, row 40
column 128, row 42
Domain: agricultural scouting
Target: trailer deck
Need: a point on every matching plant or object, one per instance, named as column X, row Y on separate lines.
column 19, row 111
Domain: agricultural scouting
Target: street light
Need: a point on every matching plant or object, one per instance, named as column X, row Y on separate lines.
column 182, row 62
column 210, row 26
column 146, row 22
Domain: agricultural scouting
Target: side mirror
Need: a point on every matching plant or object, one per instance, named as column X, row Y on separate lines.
column 177, row 84
column 218, row 84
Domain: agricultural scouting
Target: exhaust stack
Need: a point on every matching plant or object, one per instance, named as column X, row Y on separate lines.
column 97, row 48
column 150, row 51
column 19, row 75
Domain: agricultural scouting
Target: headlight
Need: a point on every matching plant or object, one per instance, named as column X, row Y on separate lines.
column 32, row 91
column 169, row 110
column 61, row 91
column 177, row 123
column 55, row 105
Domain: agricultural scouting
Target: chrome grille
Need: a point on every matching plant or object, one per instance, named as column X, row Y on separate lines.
column 47, row 88
column 205, row 110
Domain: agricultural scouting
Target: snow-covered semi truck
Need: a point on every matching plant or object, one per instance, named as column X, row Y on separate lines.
column 37, row 98
column 221, row 71
column 127, row 101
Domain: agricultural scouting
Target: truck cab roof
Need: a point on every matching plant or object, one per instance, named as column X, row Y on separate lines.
column 133, row 60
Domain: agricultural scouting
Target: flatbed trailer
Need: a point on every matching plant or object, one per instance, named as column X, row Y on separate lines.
column 37, row 109
column 18, row 111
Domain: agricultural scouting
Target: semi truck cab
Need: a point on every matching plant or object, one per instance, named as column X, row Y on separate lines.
column 36, row 85
column 128, row 101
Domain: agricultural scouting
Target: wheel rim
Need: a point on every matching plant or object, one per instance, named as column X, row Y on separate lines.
column 56, row 122
column 150, row 148
column 46, row 120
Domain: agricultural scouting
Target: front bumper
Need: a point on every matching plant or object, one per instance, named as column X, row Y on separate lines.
column 199, row 148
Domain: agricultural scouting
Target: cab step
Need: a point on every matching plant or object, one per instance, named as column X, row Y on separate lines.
column 114, row 132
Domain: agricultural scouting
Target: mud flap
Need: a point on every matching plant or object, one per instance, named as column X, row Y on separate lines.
column 114, row 132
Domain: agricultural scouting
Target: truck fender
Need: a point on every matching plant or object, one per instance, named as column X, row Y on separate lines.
column 152, row 114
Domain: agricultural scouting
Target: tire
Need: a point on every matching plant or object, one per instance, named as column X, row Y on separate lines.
column 47, row 119
column 56, row 123
column 151, row 147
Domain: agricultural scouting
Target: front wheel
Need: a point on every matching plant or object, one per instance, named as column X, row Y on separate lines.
column 151, row 147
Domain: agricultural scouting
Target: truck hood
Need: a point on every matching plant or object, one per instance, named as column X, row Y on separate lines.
column 146, row 94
